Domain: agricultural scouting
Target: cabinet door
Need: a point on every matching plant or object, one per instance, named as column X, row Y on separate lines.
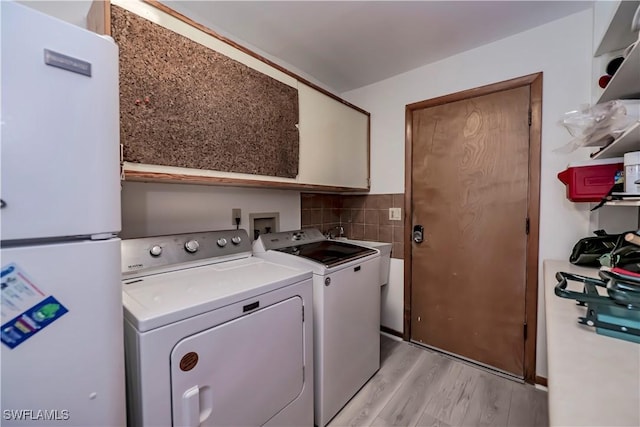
column 240, row 373
column 334, row 141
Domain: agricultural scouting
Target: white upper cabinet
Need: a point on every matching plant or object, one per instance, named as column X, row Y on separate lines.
column 334, row 141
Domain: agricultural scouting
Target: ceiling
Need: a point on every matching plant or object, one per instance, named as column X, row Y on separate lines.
column 350, row 44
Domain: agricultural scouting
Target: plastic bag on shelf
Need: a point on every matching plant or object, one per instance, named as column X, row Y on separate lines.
column 599, row 125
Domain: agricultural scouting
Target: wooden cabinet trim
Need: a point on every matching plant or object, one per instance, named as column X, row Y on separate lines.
column 99, row 17
column 174, row 178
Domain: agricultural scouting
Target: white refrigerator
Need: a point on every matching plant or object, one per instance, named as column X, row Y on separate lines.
column 62, row 356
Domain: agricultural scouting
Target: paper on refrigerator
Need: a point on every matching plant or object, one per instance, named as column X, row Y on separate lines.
column 25, row 309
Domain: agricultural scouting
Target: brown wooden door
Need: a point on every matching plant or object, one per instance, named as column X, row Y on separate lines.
column 470, row 161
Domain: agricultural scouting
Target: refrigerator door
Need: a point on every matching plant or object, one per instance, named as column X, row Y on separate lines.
column 60, row 128
column 66, row 366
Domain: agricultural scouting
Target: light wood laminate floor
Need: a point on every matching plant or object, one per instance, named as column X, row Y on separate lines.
column 419, row 387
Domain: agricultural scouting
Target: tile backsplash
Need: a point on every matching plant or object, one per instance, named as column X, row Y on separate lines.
column 362, row 217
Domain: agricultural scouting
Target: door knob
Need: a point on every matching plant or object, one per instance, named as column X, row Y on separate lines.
column 418, row 233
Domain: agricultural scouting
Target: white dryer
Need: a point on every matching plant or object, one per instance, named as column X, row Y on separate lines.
column 214, row 336
column 346, row 307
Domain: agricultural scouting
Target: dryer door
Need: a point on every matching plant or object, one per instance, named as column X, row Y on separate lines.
column 240, row 373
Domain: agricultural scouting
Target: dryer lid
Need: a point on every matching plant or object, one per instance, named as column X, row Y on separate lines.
column 154, row 301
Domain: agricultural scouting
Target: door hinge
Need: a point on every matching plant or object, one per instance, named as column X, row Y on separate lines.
column 525, row 330
column 527, row 226
column 121, row 162
column 529, row 117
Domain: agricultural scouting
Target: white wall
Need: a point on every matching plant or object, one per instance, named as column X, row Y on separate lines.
column 150, row 209
column 615, row 219
column 562, row 51
column 392, row 298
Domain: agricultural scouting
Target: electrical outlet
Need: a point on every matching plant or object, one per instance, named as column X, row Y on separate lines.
column 235, row 215
column 395, row 214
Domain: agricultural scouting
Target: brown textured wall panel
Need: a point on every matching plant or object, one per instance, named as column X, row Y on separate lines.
column 183, row 104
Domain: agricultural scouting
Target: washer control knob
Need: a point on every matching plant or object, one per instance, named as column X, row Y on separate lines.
column 155, row 251
column 192, row 246
column 236, row 240
column 222, row 242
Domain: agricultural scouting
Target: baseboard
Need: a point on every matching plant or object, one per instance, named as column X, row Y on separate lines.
column 541, row 381
column 391, row 331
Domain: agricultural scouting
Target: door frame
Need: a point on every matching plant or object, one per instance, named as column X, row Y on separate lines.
column 533, row 205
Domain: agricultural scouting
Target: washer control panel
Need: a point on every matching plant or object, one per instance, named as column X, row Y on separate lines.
column 285, row 239
column 142, row 254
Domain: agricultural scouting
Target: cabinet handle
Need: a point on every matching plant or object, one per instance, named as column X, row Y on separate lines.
column 357, row 268
column 2, row 204
column 251, row 306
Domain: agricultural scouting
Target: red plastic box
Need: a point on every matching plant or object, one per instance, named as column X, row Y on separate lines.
column 590, row 181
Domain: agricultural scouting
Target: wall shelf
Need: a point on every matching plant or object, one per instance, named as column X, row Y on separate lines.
column 625, row 83
column 631, row 199
column 623, row 203
column 618, row 35
column 628, row 141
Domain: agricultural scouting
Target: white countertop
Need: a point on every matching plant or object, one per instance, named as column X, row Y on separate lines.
column 594, row 380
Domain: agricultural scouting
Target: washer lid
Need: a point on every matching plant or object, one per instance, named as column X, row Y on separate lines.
column 329, row 253
column 154, row 301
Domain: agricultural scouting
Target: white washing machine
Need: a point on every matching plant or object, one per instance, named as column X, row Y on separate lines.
column 346, row 311
column 213, row 335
